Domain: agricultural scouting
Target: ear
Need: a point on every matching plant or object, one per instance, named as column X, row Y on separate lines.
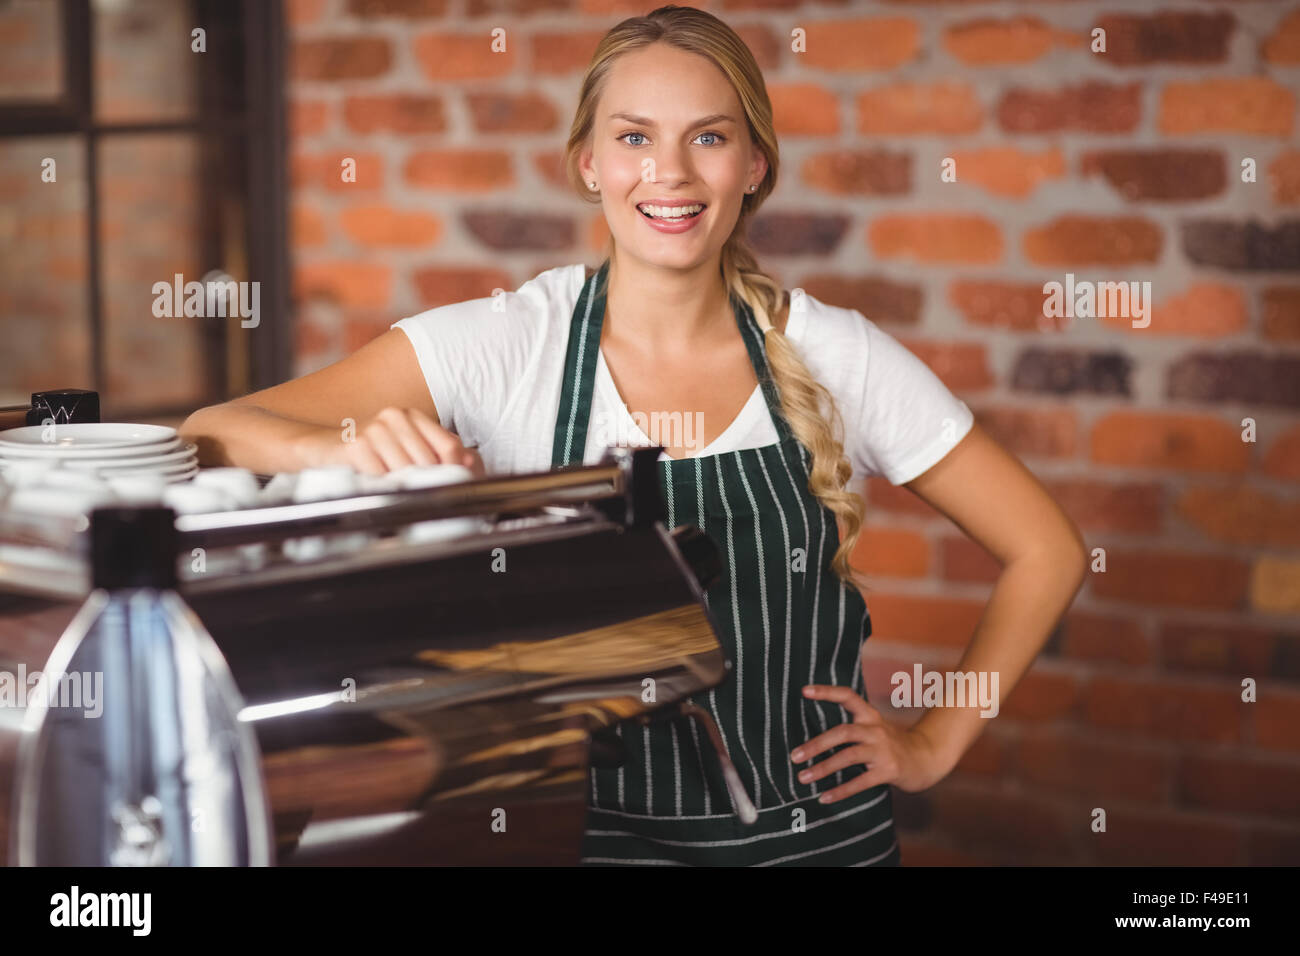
column 584, row 165
column 757, row 167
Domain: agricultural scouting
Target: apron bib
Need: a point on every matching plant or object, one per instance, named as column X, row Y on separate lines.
column 785, row 619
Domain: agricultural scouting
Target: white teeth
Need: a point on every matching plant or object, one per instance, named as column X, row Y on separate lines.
column 671, row 212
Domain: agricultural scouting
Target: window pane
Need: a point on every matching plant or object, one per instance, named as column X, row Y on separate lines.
column 144, row 67
column 44, row 308
column 31, row 52
column 150, row 231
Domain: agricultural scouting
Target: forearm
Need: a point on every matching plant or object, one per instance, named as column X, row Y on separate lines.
column 1030, row 595
column 248, row 437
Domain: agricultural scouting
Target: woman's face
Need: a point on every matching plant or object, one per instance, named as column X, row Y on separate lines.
column 671, row 142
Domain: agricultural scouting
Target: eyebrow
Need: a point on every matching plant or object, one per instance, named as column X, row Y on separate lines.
column 642, row 121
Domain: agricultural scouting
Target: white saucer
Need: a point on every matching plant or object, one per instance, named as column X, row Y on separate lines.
column 98, row 436
column 69, row 452
column 182, row 455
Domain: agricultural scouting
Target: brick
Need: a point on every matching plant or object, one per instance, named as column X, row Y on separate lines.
column 395, row 113
column 1240, row 784
column 1233, row 651
column 451, row 56
column 1103, row 639
column 1256, row 377
column 1015, row 306
column 946, row 107
column 1249, row 246
column 1206, row 309
column 1167, row 37
column 859, row 172
column 1042, row 696
column 882, row 496
column 1006, row 171
column 962, row 559
column 460, row 170
column 1277, row 721
column 308, row 117
column 1282, row 459
column 361, row 327
column 341, row 58
column 936, row 238
column 1075, row 240
column 550, row 166
column 1165, row 711
column 1066, row 371
column 442, row 285
column 509, row 230
column 963, row 366
column 1009, row 827
column 397, row 8
column 480, row 8
column 1283, row 45
column 1272, row 845
column 891, row 552
column 881, row 43
column 1275, row 585
column 876, row 297
column 998, row 42
column 1253, row 105
column 1280, row 319
column 1172, row 579
column 924, row 620
column 793, row 233
column 1066, row 762
column 986, row 757
column 1284, row 177
column 566, row 52
column 1239, row 514
column 512, row 113
column 380, row 225
column 325, row 171
column 299, row 13
column 1091, row 107
column 1166, row 440
column 307, row 227
column 766, row 45
column 1160, row 174
column 359, row 284
column 1161, row 837
column 1130, row 507
column 804, row 109
column 1040, row 432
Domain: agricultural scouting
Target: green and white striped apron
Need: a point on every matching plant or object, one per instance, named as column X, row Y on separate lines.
column 785, row 620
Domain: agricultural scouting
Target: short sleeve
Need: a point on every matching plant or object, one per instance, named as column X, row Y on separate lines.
column 472, row 354
column 908, row 419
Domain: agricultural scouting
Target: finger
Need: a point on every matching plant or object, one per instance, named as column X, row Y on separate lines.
column 411, row 440
column 835, row 762
column 446, row 444
column 387, row 447
column 839, row 734
column 863, row 781
column 852, row 702
column 360, row 455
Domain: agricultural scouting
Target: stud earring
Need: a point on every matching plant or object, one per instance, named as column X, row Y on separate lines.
column 753, row 187
column 592, row 184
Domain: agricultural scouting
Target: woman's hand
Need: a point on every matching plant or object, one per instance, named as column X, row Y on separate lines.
column 394, row 438
column 905, row 758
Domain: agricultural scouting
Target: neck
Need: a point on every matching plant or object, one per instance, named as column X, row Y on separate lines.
column 665, row 311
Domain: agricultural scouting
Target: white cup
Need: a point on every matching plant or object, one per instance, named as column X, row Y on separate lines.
column 434, row 476
column 239, row 484
column 323, row 484
column 279, row 490
column 138, row 489
column 21, row 474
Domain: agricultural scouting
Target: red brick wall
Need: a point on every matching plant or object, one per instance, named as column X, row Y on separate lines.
column 1125, row 165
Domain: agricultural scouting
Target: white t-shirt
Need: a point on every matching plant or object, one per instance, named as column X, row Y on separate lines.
column 495, row 377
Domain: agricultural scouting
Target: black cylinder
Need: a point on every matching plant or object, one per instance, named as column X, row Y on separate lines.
column 133, row 548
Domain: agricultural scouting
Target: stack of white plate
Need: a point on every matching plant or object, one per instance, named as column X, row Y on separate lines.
column 108, row 449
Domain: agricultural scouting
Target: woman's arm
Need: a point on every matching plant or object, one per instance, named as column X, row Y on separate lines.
column 997, row 502
column 379, row 389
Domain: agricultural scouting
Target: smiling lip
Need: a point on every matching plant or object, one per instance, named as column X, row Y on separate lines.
column 672, row 202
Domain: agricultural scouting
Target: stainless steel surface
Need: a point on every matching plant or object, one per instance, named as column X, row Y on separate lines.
column 402, row 693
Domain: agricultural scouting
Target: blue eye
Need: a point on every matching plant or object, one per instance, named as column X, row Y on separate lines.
column 717, row 136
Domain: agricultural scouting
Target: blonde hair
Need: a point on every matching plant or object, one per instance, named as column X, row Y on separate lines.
column 802, row 396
